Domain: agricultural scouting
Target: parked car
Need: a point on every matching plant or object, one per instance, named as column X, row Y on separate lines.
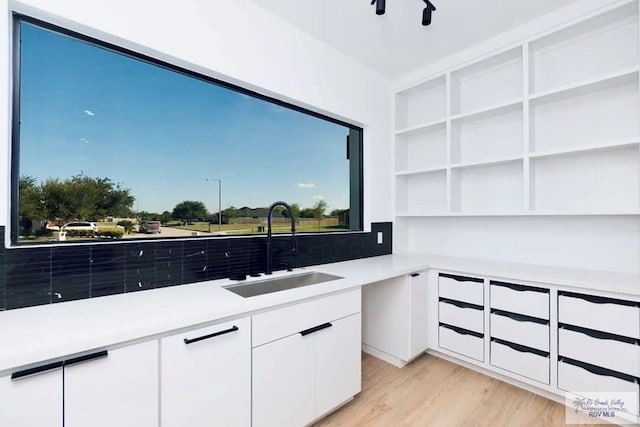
column 150, row 227
column 80, row 226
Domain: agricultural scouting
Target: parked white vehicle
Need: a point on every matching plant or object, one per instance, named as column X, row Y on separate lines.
column 80, row 225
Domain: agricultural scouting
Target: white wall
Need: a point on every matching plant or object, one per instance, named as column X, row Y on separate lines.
column 237, row 41
column 599, row 243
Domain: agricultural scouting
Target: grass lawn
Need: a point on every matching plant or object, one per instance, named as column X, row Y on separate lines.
column 251, row 228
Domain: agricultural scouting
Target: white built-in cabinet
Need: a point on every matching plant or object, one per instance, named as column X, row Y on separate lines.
column 394, row 318
column 21, row 396
column 205, row 377
column 306, row 360
column 119, row 388
column 550, row 126
column 105, row 388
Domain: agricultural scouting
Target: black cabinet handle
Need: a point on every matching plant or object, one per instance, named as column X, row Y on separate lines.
column 37, row 370
column 599, row 335
column 86, row 358
column 519, row 288
column 461, row 304
column 461, row 331
column 599, row 300
column 521, row 348
column 462, row 278
column 315, row 329
column 519, row 317
column 215, row 334
column 597, row 370
column 414, row 274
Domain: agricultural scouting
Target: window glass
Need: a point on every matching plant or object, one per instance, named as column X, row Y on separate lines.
column 105, row 137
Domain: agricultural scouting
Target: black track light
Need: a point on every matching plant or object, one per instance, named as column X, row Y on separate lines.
column 426, row 13
column 380, row 4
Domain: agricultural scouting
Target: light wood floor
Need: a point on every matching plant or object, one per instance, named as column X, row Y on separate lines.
column 434, row 392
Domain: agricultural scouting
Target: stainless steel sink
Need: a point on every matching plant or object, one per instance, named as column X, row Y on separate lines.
column 277, row 284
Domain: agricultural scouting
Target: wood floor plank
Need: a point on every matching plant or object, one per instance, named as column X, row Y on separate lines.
column 434, row 392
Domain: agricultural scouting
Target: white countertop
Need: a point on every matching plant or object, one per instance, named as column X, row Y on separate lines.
column 39, row 334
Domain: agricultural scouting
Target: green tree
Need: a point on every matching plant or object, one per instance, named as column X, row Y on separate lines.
column 296, row 211
column 31, row 204
column 190, row 210
column 318, row 210
column 77, row 198
column 165, row 217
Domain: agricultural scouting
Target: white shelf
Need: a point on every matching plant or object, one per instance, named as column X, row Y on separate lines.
column 424, row 103
column 586, row 115
column 494, row 187
column 569, row 55
column 421, row 127
column 587, row 181
column 550, row 127
column 607, row 145
column 474, row 86
column 486, row 162
column 421, row 171
column 625, row 75
column 488, row 109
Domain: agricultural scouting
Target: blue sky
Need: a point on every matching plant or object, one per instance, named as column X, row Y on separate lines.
column 161, row 134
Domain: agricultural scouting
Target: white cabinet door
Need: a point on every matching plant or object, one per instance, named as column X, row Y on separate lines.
column 32, row 401
column 283, row 382
column 206, row 380
column 120, row 389
column 337, row 363
column 419, row 342
column 395, row 318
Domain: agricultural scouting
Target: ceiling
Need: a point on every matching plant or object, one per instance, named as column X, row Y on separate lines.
column 396, row 43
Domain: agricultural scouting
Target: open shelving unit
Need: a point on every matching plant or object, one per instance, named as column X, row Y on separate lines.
column 550, row 126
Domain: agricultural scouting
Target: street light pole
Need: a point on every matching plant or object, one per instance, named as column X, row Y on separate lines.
column 219, row 201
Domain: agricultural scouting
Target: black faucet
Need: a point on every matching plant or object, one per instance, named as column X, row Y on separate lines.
column 293, row 232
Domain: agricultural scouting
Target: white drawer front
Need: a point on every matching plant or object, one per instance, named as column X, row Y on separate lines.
column 461, row 290
column 602, row 316
column 576, row 379
column 531, row 334
column 465, row 344
column 526, row 302
column 463, row 317
column 608, row 353
column 530, row 365
column 282, row 322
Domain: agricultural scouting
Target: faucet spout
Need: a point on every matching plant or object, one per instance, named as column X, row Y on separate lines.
column 269, row 266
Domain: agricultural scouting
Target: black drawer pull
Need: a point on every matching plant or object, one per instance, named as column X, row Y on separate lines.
column 315, row 329
column 599, row 300
column 86, row 358
column 461, row 304
column 597, row 370
column 37, row 370
column 461, row 331
column 521, row 348
column 215, row 334
column 461, row 278
column 519, row 317
column 519, row 288
column 599, row 335
column 414, row 274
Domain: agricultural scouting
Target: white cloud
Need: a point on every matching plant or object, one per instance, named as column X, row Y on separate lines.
column 89, row 113
column 86, row 141
column 306, row 185
column 318, row 197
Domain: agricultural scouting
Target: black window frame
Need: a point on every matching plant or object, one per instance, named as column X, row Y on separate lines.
column 18, row 18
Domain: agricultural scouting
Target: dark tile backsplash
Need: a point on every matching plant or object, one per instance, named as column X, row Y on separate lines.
column 36, row 276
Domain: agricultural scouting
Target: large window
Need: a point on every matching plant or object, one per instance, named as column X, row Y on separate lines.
column 110, row 144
